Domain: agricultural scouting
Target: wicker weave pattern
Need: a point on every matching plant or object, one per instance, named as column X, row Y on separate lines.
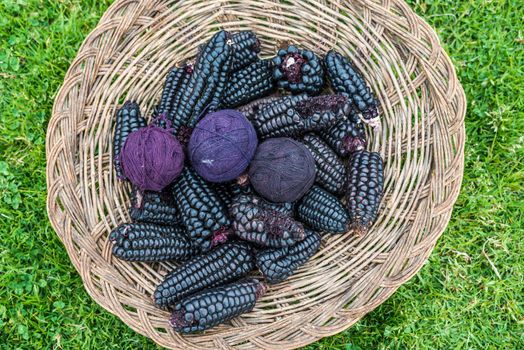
column 422, row 139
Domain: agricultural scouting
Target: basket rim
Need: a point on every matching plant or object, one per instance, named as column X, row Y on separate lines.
column 58, row 224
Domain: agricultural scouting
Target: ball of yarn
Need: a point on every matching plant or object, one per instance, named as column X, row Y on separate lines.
column 283, row 170
column 152, row 158
column 222, row 145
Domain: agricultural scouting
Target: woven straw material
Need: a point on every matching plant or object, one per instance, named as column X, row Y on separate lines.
column 422, row 139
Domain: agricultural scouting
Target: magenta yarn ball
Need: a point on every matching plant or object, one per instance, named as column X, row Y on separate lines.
column 283, row 170
column 152, row 158
column 222, row 145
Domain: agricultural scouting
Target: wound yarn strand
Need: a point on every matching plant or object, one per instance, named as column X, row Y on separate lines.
column 152, row 158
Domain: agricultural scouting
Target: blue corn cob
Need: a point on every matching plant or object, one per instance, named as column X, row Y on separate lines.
column 298, row 70
column 347, row 135
column 345, row 79
column 211, row 307
column 149, row 242
column 201, row 210
column 221, row 265
column 331, row 171
column 295, row 115
column 207, row 82
column 365, row 189
column 246, row 51
column 153, row 207
column 323, row 211
column 256, row 222
column 278, row 264
column 253, row 81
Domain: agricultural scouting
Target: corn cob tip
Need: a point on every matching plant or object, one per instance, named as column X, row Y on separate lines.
column 261, row 289
column 183, row 135
column 121, row 231
column 353, row 144
column 229, row 38
column 113, row 236
column 359, row 230
column 291, row 67
column 373, row 122
column 298, row 70
column 186, row 64
column 220, row 236
column 257, row 46
column 283, row 226
column 322, row 103
column 178, row 319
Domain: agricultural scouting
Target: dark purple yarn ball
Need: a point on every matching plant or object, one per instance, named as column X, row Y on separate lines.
column 222, row 145
column 283, row 170
column 152, row 158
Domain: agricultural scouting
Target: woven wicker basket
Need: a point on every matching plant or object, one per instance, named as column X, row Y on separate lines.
column 422, row 139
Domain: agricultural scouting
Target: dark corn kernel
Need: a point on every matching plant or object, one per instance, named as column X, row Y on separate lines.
column 295, row 115
column 211, row 307
column 254, row 81
column 255, row 221
column 252, row 108
column 286, row 208
column 223, row 191
column 347, row 135
column 331, row 171
column 229, row 190
column 183, row 134
column 201, row 210
column 298, row 70
column 208, row 80
column 173, row 78
column 365, row 189
column 346, row 80
column 278, row 264
column 319, row 104
column 221, row 265
column 241, row 186
column 153, row 207
column 174, row 85
column 323, row 211
column 246, row 51
column 149, row 242
column 128, row 119
column 177, row 124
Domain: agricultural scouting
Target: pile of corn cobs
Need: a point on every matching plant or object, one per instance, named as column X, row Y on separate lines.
column 220, row 233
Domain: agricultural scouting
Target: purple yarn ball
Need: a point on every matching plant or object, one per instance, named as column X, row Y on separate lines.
column 152, row 158
column 222, row 145
column 283, row 170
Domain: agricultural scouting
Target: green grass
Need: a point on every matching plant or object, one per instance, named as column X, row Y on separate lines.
column 470, row 293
